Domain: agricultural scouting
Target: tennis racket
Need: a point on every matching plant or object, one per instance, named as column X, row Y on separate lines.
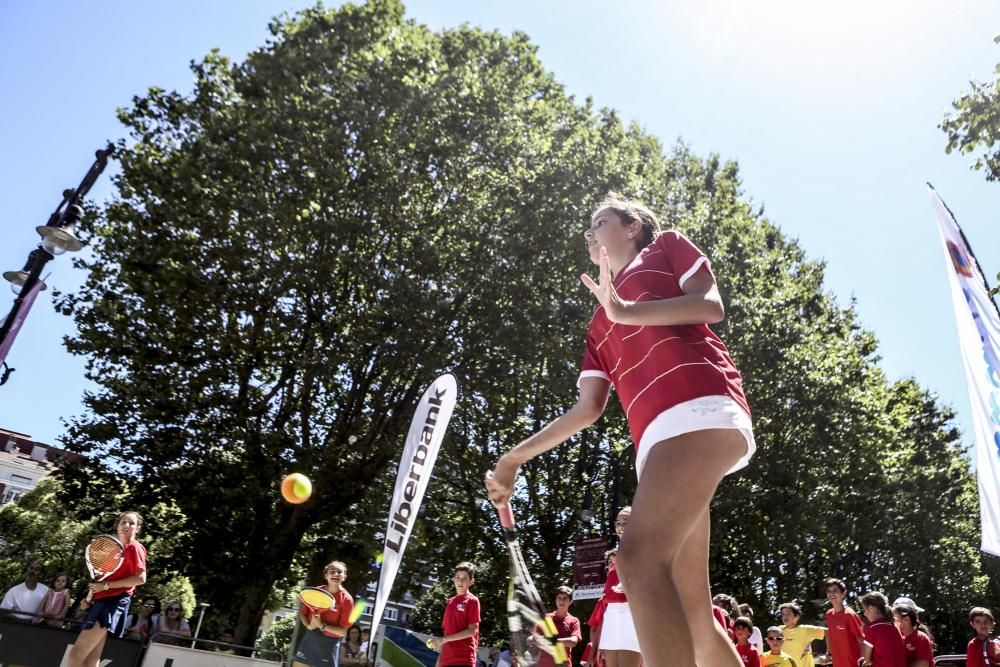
column 104, row 555
column 532, row 631
column 317, row 600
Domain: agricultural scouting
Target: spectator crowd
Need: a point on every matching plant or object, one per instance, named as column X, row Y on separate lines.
column 882, row 635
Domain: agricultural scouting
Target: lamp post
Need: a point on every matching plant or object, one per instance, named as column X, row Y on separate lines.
column 201, row 614
column 586, row 513
column 58, row 236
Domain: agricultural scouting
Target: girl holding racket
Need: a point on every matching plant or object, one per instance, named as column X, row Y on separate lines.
column 112, row 596
column 326, row 627
column 690, row 422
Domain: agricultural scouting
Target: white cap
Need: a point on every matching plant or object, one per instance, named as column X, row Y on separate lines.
column 907, row 602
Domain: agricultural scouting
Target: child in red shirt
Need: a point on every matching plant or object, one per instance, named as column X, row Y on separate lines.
column 843, row 627
column 982, row 651
column 916, row 639
column 460, row 623
column 883, row 645
column 320, row 645
column 742, row 629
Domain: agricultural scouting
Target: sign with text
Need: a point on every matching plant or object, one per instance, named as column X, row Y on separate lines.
column 588, row 568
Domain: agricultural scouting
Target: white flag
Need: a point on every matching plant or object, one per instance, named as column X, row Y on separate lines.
column 419, row 453
column 979, row 337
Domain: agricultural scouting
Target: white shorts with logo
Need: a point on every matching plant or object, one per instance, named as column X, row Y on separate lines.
column 697, row 414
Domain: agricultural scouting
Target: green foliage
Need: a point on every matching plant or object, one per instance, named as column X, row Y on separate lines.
column 279, row 635
column 307, row 238
column 974, row 125
column 174, row 589
column 297, row 247
column 429, row 608
column 38, row 528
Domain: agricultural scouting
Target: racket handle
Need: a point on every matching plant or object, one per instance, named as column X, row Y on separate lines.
column 506, row 516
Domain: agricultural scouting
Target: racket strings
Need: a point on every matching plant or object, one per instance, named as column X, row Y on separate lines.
column 525, row 604
column 105, row 554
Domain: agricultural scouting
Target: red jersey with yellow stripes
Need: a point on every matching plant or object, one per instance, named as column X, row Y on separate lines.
column 654, row 368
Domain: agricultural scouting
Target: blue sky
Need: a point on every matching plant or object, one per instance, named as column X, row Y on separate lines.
column 831, row 109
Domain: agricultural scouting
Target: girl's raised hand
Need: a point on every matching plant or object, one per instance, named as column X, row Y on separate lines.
column 604, row 289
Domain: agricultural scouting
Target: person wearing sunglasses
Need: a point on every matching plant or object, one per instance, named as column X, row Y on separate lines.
column 171, row 626
column 775, row 641
column 140, row 624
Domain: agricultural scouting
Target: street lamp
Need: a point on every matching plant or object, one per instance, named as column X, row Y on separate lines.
column 201, row 614
column 57, row 239
column 17, row 279
column 587, row 511
column 58, row 236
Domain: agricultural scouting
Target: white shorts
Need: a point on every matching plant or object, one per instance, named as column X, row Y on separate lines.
column 697, row 414
column 617, row 629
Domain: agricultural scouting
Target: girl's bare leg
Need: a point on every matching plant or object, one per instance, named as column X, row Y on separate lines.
column 86, row 651
column 712, row 645
column 665, row 576
column 622, row 658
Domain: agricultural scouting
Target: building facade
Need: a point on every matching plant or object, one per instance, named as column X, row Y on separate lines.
column 23, row 463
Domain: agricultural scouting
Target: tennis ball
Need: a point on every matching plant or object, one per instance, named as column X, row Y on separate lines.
column 296, row 488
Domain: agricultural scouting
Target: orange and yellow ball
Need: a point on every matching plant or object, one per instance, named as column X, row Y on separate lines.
column 296, row 488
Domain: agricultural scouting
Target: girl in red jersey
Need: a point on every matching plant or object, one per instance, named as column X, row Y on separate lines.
column 592, row 653
column 324, row 631
column 614, row 637
column 111, row 597
column 883, row 645
column 917, row 639
column 683, row 398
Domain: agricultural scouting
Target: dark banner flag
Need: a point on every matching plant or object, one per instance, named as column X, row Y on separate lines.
column 588, row 568
column 22, row 313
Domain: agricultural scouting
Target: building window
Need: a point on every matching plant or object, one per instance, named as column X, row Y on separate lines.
column 10, row 497
column 390, row 615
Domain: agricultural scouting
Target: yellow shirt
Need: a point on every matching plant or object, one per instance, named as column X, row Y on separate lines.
column 798, row 640
column 782, row 660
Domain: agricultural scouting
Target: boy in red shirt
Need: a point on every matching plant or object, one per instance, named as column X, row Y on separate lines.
column 843, row 627
column 460, row 624
column 742, row 629
column 567, row 625
column 982, row 651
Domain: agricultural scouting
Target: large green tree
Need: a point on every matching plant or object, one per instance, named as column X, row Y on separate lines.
column 296, row 248
column 856, row 476
column 301, row 243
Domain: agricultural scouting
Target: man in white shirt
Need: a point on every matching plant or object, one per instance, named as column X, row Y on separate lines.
column 26, row 597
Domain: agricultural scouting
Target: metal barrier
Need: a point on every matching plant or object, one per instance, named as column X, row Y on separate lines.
column 171, row 655
column 27, row 644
